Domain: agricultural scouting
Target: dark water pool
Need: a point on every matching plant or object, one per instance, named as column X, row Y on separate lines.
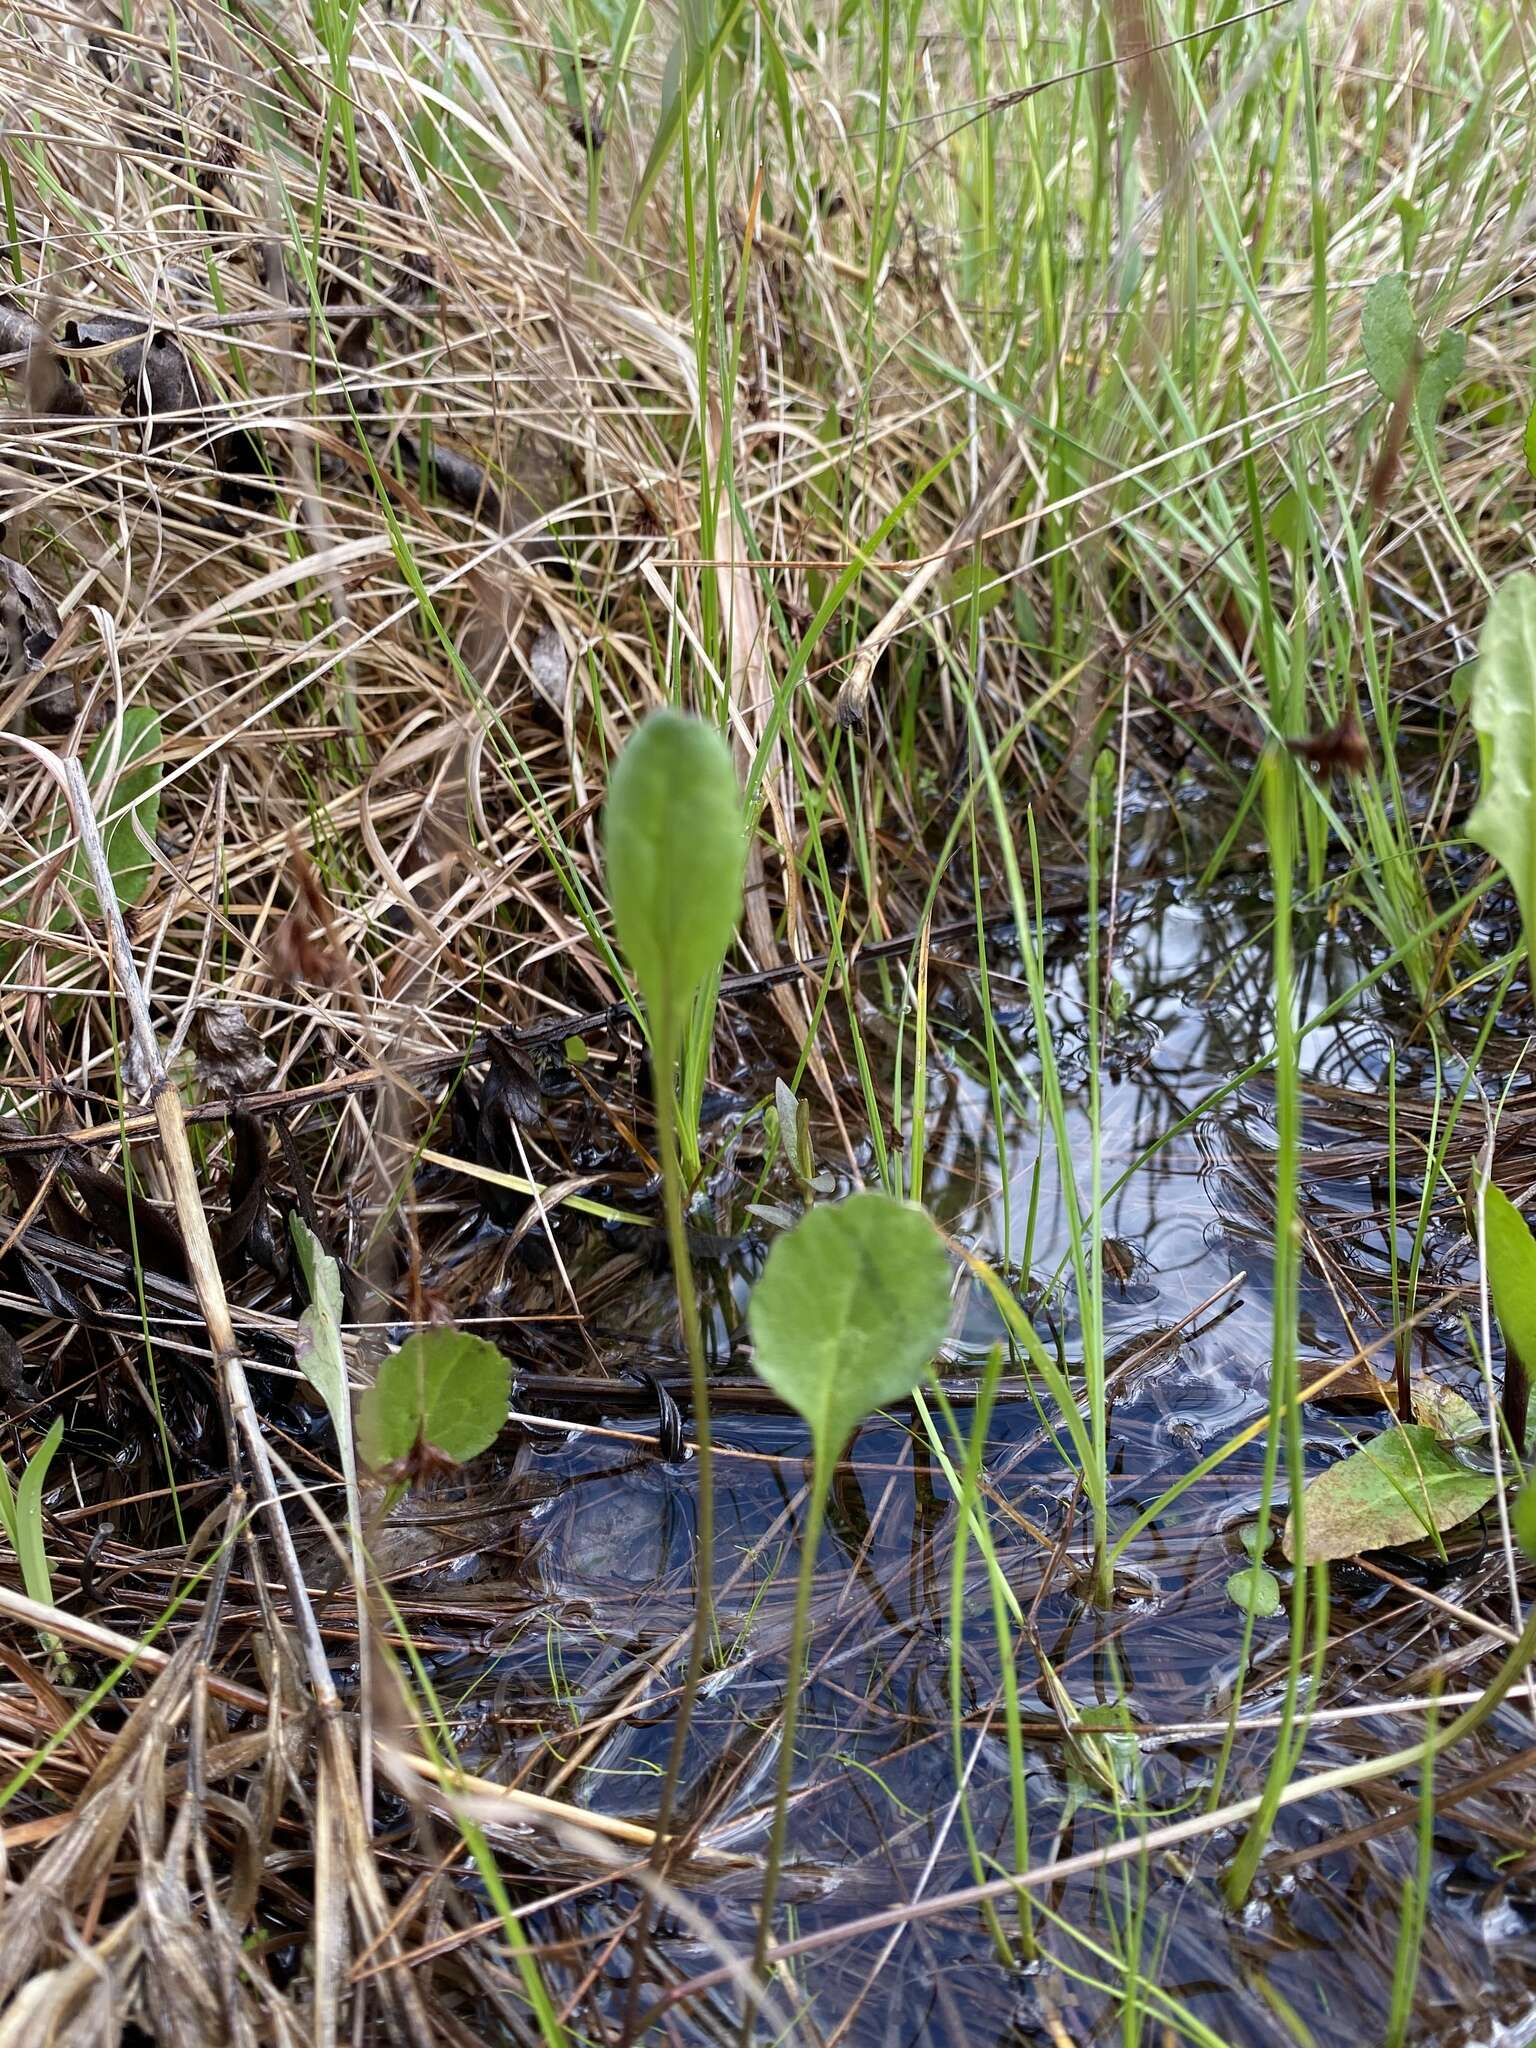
column 566, row 1699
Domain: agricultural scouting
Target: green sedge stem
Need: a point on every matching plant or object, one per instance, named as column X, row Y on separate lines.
column 665, row 1043
column 810, row 1543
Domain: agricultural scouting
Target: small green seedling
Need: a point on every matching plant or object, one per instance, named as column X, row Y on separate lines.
column 674, row 848
column 319, row 1353
column 442, row 1396
column 21, row 1516
column 323, row 1362
column 1255, row 1587
column 851, row 1308
column 787, row 1122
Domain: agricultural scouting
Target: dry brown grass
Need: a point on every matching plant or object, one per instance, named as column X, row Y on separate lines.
column 405, row 516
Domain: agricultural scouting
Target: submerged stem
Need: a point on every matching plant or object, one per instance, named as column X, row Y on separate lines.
column 704, row 1605
column 794, row 1680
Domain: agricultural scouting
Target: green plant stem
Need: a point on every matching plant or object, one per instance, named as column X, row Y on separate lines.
column 693, row 1339
column 794, row 1680
column 664, row 1044
column 1285, row 1393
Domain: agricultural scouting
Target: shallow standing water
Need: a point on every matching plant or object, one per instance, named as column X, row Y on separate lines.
column 608, row 1545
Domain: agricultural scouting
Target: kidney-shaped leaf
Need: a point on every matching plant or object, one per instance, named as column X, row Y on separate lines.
column 852, row 1305
column 1504, row 712
column 1401, row 1487
column 675, row 851
column 442, row 1388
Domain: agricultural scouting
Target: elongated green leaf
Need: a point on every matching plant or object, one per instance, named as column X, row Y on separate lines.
column 675, row 852
column 1510, row 1252
column 136, row 783
column 1530, row 440
column 691, row 55
column 1504, row 713
column 443, row 1389
column 1401, row 1487
column 1523, row 1518
column 852, row 1305
column 1389, row 334
column 31, row 1548
column 321, row 1357
column 7, row 1508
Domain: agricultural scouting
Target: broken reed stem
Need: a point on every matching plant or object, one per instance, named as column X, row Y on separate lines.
column 202, row 1263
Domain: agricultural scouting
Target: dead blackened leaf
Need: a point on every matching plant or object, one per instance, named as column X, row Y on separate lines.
column 248, row 1232
column 29, row 632
column 50, row 390
column 489, row 1122
column 29, row 622
column 157, row 379
column 549, row 668
column 135, row 1227
column 231, row 1060
column 157, row 385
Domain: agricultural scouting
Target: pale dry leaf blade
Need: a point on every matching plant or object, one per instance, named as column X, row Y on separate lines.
column 320, row 1353
column 1503, row 820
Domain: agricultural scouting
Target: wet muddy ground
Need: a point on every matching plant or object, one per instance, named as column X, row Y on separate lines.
column 555, row 1584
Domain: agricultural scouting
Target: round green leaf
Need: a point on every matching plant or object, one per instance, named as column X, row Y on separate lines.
column 443, row 1388
column 1255, row 1587
column 675, row 853
column 852, row 1305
